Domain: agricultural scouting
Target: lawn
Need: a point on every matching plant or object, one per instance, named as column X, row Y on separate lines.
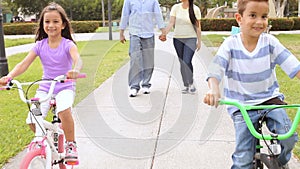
column 16, row 42
column 101, row 59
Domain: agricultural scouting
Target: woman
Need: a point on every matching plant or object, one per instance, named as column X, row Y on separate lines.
column 186, row 16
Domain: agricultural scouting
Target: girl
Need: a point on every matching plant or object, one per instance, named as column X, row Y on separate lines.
column 57, row 51
column 186, row 16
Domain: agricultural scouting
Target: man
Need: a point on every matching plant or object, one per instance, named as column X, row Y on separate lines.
column 139, row 16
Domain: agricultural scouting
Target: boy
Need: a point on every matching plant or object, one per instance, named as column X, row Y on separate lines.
column 247, row 61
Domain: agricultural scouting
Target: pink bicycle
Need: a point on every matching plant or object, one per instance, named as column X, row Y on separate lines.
column 47, row 147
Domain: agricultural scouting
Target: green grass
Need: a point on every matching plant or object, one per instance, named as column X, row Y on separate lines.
column 213, row 40
column 106, row 29
column 101, row 59
column 16, row 42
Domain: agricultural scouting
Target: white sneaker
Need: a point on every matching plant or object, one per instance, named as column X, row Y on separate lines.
column 192, row 88
column 132, row 92
column 146, row 90
column 185, row 90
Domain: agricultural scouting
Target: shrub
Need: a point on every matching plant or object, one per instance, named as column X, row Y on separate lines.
column 217, row 24
column 84, row 26
column 29, row 28
column 296, row 23
column 281, row 24
column 19, row 28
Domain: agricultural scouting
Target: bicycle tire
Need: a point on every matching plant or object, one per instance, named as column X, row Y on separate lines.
column 33, row 159
column 258, row 164
column 29, row 160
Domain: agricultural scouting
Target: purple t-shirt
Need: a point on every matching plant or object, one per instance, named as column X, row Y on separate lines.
column 55, row 62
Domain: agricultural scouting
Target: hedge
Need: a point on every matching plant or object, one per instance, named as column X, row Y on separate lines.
column 282, row 24
column 29, row 28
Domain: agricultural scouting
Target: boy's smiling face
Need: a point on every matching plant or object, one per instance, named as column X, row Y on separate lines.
column 254, row 19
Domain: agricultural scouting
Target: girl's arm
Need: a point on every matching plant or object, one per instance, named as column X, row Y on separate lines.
column 77, row 63
column 23, row 65
column 20, row 68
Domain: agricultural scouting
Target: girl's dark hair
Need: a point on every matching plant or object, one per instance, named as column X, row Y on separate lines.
column 192, row 14
column 66, row 32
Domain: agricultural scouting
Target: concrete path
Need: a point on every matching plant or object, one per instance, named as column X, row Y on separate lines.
column 163, row 130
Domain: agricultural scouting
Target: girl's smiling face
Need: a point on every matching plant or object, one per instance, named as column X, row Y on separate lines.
column 53, row 24
column 254, row 20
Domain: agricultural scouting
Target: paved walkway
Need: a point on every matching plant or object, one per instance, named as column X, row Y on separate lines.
column 162, row 130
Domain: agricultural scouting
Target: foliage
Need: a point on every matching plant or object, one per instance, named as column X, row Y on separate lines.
column 84, row 26
column 76, row 9
column 282, row 24
column 29, row 28
column 296, row 23
column 217, row 24
column 19, row 28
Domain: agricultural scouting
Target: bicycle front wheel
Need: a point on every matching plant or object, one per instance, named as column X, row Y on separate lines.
column 34, row 159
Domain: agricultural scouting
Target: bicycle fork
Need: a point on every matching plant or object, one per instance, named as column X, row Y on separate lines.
column 271, row 159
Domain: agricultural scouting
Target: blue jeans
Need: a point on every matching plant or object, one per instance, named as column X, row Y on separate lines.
column 277, row 121
column 141, row 52
column 185, row 49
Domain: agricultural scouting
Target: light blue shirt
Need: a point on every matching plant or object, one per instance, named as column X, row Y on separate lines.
column 141, row 16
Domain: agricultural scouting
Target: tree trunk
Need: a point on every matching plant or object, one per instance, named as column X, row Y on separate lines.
column 103, row 13
column 280, row 6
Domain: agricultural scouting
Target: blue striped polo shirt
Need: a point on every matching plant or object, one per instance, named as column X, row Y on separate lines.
column 250, row 77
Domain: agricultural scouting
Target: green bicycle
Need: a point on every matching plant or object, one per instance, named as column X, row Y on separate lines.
column 270, row 159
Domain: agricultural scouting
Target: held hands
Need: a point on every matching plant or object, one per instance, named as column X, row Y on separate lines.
column 163, row 37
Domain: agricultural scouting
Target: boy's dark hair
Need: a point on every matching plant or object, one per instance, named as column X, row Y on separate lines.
column 243, row 3
column 66, row 32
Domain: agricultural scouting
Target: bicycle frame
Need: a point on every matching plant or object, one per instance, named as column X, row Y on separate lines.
column 43, row 143
column 245, row 108
column 274, row 148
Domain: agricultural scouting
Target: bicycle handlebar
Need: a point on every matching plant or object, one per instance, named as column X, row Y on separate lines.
column 243, row 109
column 60, row 79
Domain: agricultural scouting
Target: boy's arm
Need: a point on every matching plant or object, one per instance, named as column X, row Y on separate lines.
column 213, row 95
column 298, row 75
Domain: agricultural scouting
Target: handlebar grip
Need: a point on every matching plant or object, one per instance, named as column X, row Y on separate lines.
column 9, row 84
column 81, row 75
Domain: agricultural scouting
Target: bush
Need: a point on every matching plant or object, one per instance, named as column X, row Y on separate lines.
column 281, row 24
column 217, row 24
column 29, row 28
column 19, row 28
column 296, row 23
column 84, row 26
